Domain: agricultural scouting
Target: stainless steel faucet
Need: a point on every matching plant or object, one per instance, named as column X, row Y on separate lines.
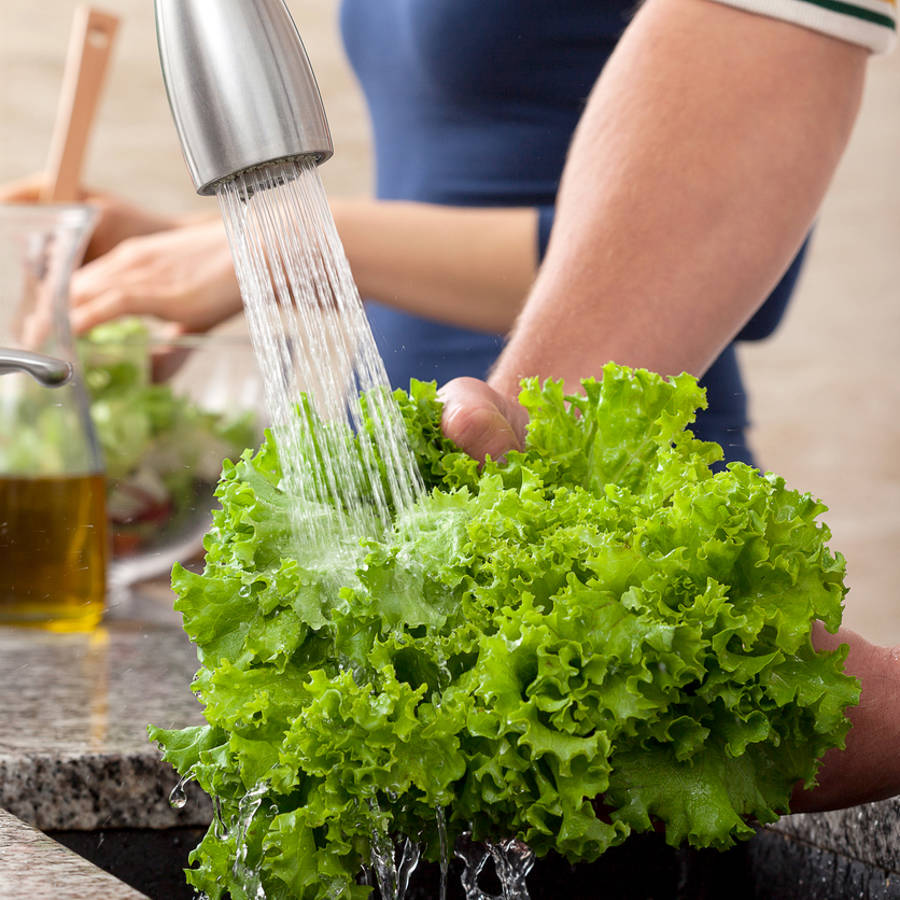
column 240, row 86
column 49, row 371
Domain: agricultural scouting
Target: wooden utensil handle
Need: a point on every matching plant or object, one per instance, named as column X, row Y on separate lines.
column 90, row 46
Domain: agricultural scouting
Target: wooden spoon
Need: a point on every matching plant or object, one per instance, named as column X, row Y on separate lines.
column 90, row 45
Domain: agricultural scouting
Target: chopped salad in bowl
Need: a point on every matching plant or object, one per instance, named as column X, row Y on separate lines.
column 167, row 412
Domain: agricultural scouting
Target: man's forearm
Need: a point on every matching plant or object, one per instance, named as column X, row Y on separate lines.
column 695, row 173
column 869, row 768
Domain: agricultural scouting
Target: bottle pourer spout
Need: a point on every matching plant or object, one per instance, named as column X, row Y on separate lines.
column 240, row 86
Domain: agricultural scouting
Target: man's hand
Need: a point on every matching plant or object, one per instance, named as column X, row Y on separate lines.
column 480, row 420
column 483, row 421
column 869, row 768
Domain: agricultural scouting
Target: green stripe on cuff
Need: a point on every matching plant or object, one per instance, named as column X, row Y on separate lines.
column 848, row 9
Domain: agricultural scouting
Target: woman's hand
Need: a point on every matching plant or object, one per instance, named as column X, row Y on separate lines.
column 183, row 275
column 176, row 268
column 118, row 220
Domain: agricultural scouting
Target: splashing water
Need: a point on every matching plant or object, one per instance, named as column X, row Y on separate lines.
column 392, row 874
column 474, row 857
column 441, row 821
column 247, row 808
column 316, row 349
column 409, row 860
column 512, row 860
column 384, row 866
column 322, row 373
column 250, row 878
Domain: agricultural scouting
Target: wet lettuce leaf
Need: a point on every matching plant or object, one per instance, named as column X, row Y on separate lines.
column 588, row 639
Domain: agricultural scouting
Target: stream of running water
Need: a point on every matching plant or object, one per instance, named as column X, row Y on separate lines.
column 316, row 351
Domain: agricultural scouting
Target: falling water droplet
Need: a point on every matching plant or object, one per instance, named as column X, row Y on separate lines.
column 178, row 796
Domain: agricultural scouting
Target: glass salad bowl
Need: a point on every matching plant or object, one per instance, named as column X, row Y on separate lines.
column 167, row 412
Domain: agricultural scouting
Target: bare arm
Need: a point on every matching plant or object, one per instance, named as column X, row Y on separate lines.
column 470, row 267
column 869, row 768
column 697, row 169
column 464, row 266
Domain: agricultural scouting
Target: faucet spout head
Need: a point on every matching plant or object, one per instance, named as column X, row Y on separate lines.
column 240, row 86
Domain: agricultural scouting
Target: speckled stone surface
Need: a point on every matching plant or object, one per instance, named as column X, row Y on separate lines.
column 785, row 867
column 74, row 752
column 869, row 834
column 34, row 866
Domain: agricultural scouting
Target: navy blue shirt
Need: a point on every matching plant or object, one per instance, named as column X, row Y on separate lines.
column 473, row 103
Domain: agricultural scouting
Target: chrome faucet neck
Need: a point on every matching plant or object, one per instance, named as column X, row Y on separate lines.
column 47, row 370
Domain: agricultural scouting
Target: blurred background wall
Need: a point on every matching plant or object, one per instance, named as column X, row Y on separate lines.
column 825, row 391
column 134, row 149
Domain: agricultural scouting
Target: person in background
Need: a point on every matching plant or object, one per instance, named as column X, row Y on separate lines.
column 470, row 139
column 696, row 169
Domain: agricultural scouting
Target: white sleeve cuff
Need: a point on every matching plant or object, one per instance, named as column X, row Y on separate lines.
column 870, row 23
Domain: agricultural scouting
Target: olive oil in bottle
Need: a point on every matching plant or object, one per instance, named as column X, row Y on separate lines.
column 53, row 551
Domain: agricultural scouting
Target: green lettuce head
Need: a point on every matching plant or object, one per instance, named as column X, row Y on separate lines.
column 594, row 637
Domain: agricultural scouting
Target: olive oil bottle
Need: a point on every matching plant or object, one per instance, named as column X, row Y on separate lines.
column 53, row 551
column 53, row 529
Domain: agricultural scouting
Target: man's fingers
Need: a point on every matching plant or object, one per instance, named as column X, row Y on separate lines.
column 479, row 420
column 479, row 430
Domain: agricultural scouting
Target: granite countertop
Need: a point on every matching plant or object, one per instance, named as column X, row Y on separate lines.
column 868, row 834
column 34, row 866
column 74, row 757
column 74, row 753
